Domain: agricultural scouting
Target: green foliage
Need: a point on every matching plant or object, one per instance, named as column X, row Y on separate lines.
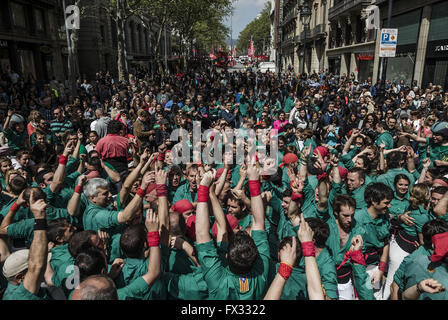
column 258, row 29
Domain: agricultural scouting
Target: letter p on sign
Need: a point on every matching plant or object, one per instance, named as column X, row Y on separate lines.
column 72, row 21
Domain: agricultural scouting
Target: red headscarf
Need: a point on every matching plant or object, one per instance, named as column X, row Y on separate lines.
column 232, row 223
column 191, row 227
column 440, row 242
column 323, row 151
column 343, row 172
column 182, row 206
column 289, row 158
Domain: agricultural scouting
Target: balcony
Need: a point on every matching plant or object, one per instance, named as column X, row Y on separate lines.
column 291, row 15
column 301, row 37
column 347, row 5
column 318, row 31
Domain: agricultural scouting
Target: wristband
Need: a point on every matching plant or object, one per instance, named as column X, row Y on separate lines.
column 141, row 192
column 203, row 194
column 161, row 157
column 322, row 176
column 295, row 196
column 254, row 188
column 161, row 190
column 40, row 224
column 358, row 257
column 14, row 208
column 308, row 249
column 285, row 270
column 63, row 160
column 153, row 238
column 78, row 189
column 419, row 291
column 382, row 266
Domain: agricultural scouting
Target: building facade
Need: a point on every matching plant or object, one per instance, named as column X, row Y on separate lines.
column 288, row 26
column 30, row 43
column 422, row 48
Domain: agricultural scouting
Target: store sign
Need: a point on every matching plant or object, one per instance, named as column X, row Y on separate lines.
column 388, row 44
column 441, row 48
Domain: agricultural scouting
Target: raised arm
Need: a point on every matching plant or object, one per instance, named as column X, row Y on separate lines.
column 8, row 119
column 323, row 195
column 9, row 218
column 220, row 218
column 162, row 195
column 75, row 201
column 202, row 218
column 59, row 175
column 349, row 142
column 78, row 144
column 37, row 260
column 128, row 213
column 303, row 171
column 132, row 177
column 113, row 175
column 256, row 202
column 313, row 280
column 288, row 258
column 442, row 206
column 155, row 255
column 426, row 165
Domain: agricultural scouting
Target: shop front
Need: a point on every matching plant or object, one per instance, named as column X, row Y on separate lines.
column 436, row 62
column 364, row 63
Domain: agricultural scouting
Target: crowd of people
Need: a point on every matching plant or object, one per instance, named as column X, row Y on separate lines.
column 94, row 206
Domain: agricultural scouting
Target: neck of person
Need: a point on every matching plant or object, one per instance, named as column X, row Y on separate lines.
column 374, row 214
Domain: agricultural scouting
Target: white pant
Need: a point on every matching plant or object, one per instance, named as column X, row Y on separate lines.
column 346, row 291
column 396, row 256
column 377, row 287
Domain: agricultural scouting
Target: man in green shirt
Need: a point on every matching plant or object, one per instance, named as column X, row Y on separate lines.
column 374, row 221
column 384, row 136
column 189, row 189
column 25, row 269
column 14, row 130
column 244, row 276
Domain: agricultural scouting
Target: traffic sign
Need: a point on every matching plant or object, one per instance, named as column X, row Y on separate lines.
column 388, row 43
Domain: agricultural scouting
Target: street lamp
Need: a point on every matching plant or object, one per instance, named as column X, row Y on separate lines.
column 305, row 17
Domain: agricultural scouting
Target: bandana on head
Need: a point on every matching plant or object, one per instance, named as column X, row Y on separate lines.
column 232, row 223
column 289, row 158
column 323, row 151
column 440, row 242
column 182, row 206
column 191, row 227
column 343, row 172
column 220, row 171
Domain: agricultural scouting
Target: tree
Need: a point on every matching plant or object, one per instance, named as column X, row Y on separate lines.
column 210, row 33
column 258, row 29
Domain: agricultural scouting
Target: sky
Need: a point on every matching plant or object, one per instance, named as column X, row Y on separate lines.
column 245, row 11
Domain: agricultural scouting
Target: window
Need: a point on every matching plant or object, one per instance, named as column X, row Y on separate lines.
column 438, row 29
column 39, row 18
column 18, row 15
column 408, row 25
column 103, row 35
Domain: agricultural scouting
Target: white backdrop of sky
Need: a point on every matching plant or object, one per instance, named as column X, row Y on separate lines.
column 245, row 11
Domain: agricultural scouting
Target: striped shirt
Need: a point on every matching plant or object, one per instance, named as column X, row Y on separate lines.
column 60, row 127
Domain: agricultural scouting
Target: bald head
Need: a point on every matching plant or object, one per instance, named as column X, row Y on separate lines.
column 96, row 287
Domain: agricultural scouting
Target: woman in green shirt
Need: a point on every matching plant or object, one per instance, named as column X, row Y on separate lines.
column 408, row 237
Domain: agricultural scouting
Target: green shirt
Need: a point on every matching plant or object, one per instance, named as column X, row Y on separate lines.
column 225, row 285
column 387, row 138
column 389, row 177
column 399, row 205
column 309, row 207
column 289, row 104
column 375, row 232
column 16, row 140
column 183, row 192
column 402, row 277
column 191, row 286
column 97, row 218
column 420, row 216
column 14, row 292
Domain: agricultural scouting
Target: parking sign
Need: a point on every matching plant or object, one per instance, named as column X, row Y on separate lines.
column 388, row 44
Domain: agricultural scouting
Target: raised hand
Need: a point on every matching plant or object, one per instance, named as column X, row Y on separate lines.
column 426, row 163
column 161, row 176
column 357, row 243
column 305, row 232
column 151, row 221
column 288, row 252
column 116, row 267
column 38, row 207
column 208, row 178
column 104, row 238
column 252, row 171
column 82, row 180
column 148, row 178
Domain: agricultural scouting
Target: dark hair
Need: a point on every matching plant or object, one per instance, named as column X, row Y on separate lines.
column 377, row 192
column 440, row 190
column 91, row 292
column 40, row 176
column 21, row 153
column 90, row 262
column 343, row 200
column 401, row 176
column 361, row 173
column 432, row 228
column 242, row 253
column 56, row 229
column 321, row 231
column 382, row 124
column 180, row 228
column 394, row 159
column 38, row 194
column 287, row 193
column 94, row 161
column 132, row 241
column 288, row 240
column 114, row 127
column 17, row 185
column 80, row 241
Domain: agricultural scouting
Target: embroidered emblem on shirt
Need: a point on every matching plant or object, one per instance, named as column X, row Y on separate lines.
column 244, row 284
